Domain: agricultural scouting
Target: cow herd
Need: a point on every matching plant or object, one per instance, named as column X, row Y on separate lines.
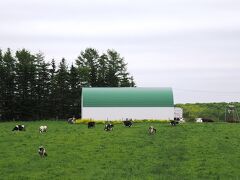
column 107, row 127
column 41, row 150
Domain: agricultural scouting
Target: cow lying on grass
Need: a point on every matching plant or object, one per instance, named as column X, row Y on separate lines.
column 127, row 123
column 42, row 129
column 42, row 152
column 108, row 127
column 91, row 124
column 201, row 120
column 19, row 128
column 174, row 122
column 152, row 130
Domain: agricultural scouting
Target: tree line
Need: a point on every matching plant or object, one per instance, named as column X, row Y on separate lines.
column 32, row 88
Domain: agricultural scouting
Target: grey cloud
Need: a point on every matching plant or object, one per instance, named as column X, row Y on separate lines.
column 185, row 44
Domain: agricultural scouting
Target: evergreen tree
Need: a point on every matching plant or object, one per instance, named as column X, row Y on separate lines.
column 112, row 77
column 8, row 85
column 117, row 75
column 132, row 83
column 62, row 91
column 102, row 71
column 52, row 91
column 2, row 84
column 43, row 87
column 75, row 92
column 88, row 63
column 26, row 85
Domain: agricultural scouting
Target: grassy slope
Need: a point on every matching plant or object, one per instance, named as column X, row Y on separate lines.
column 189, row 151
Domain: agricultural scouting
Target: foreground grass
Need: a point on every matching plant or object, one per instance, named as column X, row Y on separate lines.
column 188, row 151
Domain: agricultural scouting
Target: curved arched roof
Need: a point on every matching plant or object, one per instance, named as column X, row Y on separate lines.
column 127, row 97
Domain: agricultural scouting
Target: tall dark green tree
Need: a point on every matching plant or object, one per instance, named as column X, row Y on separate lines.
column 42, row 88
column 26, row 85
column 2, row 84
column 102, row 71
column 88, row 61
column 117, row 75
column 52, row 91
column 8, row 82
column 112, row 76
column 62, row 91
column 75, row 92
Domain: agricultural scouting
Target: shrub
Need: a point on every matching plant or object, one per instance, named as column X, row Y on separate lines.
column 85, row 121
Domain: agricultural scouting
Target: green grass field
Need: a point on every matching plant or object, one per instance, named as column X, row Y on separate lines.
column 187, row 151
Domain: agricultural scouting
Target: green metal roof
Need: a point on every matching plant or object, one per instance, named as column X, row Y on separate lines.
column 127, row 97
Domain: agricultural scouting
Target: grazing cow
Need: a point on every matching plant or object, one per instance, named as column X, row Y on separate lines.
column 42, row 152
column 91, row 124
column 174, row 122
column 42, row 129
column 207, row 120
column 152, row 130
column 108, row 127
column 201, row 120
column 181, row 120
column 127, row 123
column 19, row 128
column 71, row 120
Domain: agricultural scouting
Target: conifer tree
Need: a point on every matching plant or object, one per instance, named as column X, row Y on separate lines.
column 62, row 90
column 8, row 85
column 43, row 87
column 26, row 85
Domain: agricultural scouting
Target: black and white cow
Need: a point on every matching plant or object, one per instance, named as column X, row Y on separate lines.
column 71, row 120
column 42, row 152
column 152, row 130
column 174, row 122
column 42, row 129
column 91, row 124
column 207, row 120
column 108, row 127
column 19, row 128
column 127, row 123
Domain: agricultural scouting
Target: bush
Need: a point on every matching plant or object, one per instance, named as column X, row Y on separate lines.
column 85, row 121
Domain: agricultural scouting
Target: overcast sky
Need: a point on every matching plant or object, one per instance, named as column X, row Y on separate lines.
column 192, row 46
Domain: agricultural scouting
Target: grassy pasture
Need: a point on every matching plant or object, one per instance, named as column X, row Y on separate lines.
column 187, row 151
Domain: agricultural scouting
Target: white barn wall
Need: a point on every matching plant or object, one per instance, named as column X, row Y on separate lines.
column 119, row 113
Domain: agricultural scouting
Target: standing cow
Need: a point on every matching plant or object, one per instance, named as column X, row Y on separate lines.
column 91, row 124
column 71, row 120
column 152, row 130
column 127, row 123
column 108, row 127
column 42, row 129
column 19, row 128
column 42, row 152
column 174, row 122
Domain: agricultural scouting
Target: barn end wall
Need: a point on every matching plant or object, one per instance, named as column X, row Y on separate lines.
column 121, row 113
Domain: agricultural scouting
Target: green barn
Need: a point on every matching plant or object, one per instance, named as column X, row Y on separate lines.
column 121, row 103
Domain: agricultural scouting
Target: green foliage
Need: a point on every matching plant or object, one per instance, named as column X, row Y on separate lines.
column 85, row 121
column 215, row 111
column 32, row 89
column 187, row 151
column 106, row 70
